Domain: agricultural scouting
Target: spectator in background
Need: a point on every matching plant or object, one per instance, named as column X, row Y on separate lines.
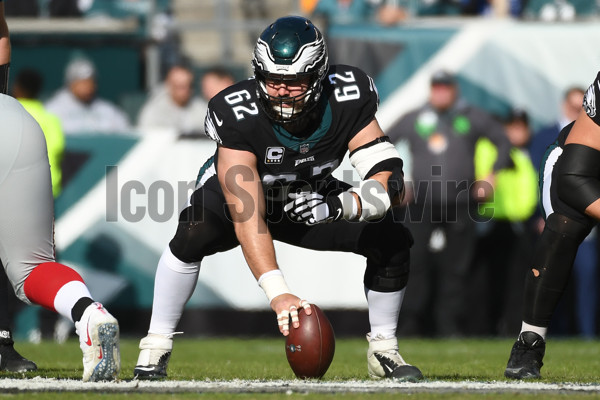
column 26, row 89
column 79, row 108
column 504, row 237
column 585, row 267
column 441, row 204
column 213, row 81
column 173, row 105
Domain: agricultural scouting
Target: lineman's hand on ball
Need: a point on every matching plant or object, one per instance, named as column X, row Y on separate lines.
column 313, row 208
column 286, row 306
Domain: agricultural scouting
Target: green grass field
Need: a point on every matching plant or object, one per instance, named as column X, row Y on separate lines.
column 481, row 360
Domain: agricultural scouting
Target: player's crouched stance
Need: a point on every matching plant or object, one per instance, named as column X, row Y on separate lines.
column 570, row 192
column 280, row 136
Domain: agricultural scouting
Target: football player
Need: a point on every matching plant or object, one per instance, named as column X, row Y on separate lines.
column 570, row 194
column 27, row 235
column 279, row 136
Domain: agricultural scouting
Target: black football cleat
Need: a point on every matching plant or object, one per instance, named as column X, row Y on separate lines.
column 384, row 361
column 396, row 371
column 155, row 352
column 10, row 359
column 526, row 357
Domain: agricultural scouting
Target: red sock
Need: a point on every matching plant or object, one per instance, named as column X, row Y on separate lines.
column 44, row 282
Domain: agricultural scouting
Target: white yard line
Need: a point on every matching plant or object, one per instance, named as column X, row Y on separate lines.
column 38, row 384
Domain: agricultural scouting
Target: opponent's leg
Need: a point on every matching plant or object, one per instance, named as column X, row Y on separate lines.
column 544, row 285
column 27, row 248
column 59, row 288
column 10, row 359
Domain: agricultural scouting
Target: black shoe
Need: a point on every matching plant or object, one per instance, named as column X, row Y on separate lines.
column 10, row 359
column 398, row 372
column 526, row 357
column 155, row 352
column 153, row 371
column 384, row 361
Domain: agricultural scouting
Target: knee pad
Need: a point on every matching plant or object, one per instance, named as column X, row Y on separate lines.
column 578, row 169
column 388, row 256
column 388, row 278
column 200, row 233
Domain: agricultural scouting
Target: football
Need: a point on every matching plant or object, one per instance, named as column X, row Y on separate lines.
column 310, row 347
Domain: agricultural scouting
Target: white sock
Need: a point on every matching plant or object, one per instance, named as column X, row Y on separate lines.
column 384, row 308
column 540, row 330
column 68, row 295
column 174, row 284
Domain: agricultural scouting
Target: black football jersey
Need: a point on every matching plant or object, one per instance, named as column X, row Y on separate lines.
column 235, row 120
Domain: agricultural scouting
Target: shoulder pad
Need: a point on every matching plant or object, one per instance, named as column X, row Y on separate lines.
column 341, row 75
column 232, row 115
column 353, row 98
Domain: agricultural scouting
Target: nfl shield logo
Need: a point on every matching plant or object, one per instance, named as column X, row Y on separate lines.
column 304, row 147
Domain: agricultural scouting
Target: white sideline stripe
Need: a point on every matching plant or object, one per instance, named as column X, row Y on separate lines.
column 92, row 206
column 456, row 53
column 288, row 386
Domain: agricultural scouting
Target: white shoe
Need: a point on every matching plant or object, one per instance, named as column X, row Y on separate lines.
column 154, row 356
column 384, row 361
column 99, row 340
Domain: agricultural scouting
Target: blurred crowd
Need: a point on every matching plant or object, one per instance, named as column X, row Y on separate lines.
column 386, row 12
column 391, row 12
column 472, row 206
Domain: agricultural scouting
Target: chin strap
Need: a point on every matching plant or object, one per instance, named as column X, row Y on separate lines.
column 4, row 78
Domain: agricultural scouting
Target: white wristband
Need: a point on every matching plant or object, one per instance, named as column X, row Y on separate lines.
column 273, row 284
column 349, row 206
column 374, row 199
